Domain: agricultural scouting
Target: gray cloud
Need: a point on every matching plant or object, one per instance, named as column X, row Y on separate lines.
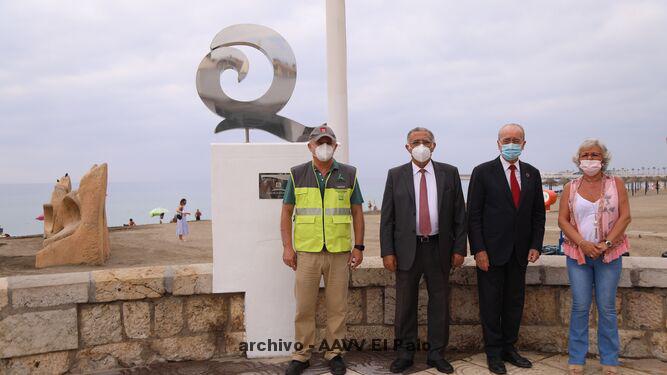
column 89, row 81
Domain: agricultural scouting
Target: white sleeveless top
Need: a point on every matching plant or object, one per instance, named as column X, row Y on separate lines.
column 585, row 216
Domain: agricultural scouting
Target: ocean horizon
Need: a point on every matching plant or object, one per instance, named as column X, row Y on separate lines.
column 22, row 203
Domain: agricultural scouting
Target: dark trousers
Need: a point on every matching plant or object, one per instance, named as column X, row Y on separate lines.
column 427, row 263
column 501, row 295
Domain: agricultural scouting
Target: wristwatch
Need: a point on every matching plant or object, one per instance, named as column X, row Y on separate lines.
column 360, row 247
column 608, row 243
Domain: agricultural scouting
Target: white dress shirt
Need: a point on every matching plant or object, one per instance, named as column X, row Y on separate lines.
column 432, row 192
column 506, row 167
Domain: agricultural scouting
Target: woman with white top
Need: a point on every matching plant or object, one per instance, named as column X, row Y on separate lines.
column 593, row 215
column 182, row 229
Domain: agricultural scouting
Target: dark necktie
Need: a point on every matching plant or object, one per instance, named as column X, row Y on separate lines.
column 514, row 184
column 424, row 214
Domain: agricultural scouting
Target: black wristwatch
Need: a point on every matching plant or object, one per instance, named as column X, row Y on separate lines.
column 360, row 247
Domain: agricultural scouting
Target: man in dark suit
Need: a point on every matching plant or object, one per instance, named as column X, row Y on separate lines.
column 506, row 227
column 422, row 232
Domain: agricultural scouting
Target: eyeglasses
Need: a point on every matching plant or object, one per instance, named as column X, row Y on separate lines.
column 418, row 142
column 590, row 155
column 324, row 140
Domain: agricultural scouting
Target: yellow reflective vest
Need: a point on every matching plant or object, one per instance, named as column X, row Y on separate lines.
column 323, row 222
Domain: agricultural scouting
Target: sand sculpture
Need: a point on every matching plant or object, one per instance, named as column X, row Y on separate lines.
column 75, row 223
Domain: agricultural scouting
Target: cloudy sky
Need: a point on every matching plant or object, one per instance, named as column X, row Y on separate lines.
column 93, row 81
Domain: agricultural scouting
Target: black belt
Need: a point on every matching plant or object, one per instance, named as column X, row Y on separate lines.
column 423, row 239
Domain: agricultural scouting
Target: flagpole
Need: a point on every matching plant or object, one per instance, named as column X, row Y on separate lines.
column 337, row 75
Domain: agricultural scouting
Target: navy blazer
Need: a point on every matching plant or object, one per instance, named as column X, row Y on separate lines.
column 494, row 223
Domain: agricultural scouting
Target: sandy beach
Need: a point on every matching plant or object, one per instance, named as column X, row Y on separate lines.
column 157, row 244
column 647, row 232
column 143, row 245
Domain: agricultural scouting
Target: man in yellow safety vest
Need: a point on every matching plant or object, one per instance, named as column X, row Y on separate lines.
column 324, row 201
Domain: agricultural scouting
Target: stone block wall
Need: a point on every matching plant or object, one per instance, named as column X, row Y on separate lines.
column 90, row 321
column 640, row 302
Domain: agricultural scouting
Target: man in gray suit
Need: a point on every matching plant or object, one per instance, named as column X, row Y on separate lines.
column 422, row 232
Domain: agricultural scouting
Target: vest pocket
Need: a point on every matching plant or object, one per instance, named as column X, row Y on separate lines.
column 342, row 219
column 304, row 219
column 307, row 234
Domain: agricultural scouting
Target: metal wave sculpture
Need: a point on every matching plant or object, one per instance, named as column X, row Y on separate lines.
column 260, row 113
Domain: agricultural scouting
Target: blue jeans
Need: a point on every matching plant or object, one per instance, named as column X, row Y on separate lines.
column 604, row 277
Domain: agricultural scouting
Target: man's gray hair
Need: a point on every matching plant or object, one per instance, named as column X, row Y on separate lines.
column 592, row 142
column 420, row 129
column 523, row 131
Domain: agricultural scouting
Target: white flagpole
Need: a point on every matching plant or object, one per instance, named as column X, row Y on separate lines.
column 337, row 75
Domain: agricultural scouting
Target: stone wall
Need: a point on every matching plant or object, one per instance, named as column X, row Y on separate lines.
column 640, row 302
column 89, row 321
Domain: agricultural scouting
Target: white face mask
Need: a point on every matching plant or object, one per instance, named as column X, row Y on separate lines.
column 421, row 153
column 324, row 152
column 590, row 167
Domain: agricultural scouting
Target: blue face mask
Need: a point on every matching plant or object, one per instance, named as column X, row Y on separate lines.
column 511, row 151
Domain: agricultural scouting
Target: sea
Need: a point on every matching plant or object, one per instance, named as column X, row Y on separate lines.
column 21, row 204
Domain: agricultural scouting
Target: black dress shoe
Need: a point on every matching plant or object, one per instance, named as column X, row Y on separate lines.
column 337, row 366
column 514, row 358
column 496, row 366
column 441, row 365
column 400, row 364
column 296, row 367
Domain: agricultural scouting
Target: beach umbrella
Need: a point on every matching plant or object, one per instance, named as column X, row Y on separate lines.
column 158, row 211
column 40, row 218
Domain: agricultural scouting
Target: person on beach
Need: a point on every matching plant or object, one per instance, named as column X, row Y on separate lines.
column 197, row 215
column 324, row 200
column 422, row 233
column 594, row 213
column 182, row 229
column 131, row 223
column 161, row 217
column 506, row 218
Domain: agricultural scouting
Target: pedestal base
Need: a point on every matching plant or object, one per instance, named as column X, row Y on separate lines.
column 247, row 248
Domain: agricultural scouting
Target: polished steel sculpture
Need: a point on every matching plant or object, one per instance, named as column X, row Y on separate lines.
column 260, row 113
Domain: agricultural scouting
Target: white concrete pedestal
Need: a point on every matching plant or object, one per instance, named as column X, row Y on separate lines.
column 247, row 249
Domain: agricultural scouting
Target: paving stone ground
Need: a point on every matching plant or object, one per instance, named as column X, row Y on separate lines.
column 372, row 363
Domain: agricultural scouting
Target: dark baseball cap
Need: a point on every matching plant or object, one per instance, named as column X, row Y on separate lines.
column 322, row 131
